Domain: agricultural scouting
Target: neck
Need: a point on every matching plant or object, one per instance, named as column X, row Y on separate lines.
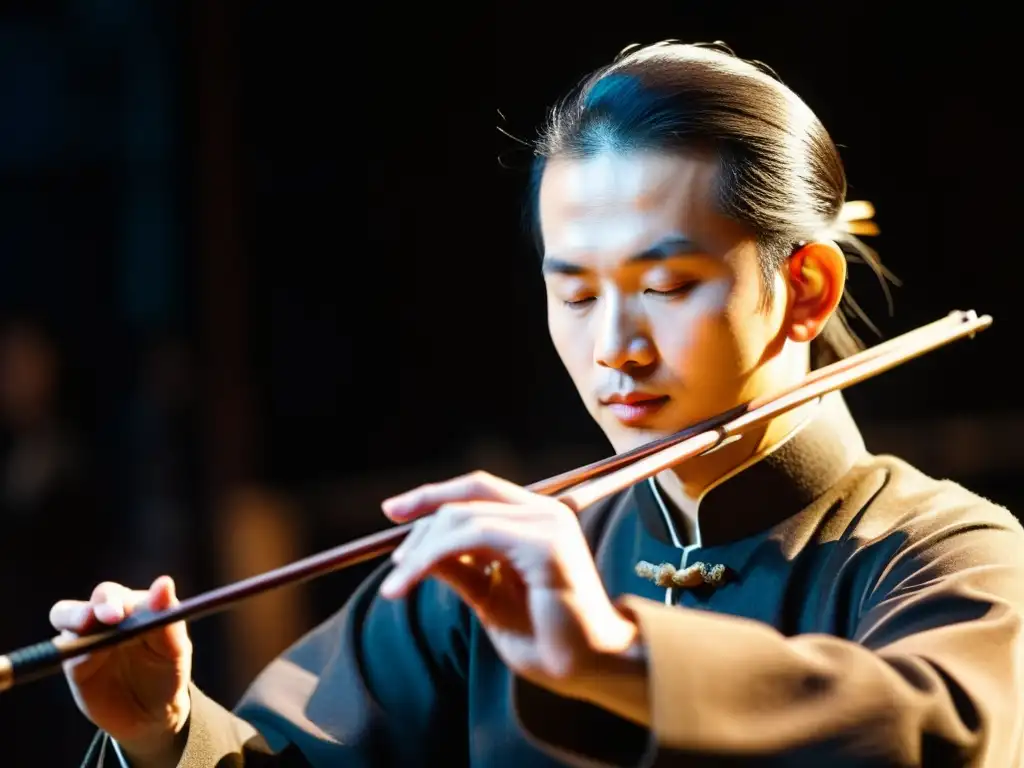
column 686, row 484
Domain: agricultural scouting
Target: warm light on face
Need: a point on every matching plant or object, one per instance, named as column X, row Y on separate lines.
column 653, row 296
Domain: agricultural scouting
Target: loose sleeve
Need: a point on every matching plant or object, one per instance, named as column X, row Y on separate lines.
column 931, row 677
column 380, row 683
column 216, row 738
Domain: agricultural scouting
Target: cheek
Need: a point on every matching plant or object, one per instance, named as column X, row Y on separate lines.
column 571, row 341
column 697, row 337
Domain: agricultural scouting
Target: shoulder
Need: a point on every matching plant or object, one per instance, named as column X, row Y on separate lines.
column 912, row 496
column 917, row 503
column 918, row 529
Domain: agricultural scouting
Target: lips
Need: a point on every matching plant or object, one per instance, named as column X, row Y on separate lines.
column 635, row 408
column 633, row 398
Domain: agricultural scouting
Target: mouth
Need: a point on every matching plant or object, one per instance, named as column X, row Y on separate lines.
column 635, row 408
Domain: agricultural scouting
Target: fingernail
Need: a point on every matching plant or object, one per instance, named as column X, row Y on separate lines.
column 394, row 507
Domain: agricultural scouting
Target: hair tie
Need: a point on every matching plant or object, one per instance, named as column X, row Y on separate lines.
column 855, row 217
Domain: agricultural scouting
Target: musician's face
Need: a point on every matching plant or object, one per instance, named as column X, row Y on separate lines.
column 653, row 294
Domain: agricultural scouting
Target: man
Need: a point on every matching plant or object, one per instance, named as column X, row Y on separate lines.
column 853, row 610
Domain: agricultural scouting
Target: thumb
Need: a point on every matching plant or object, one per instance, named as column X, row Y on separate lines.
column 171, row 641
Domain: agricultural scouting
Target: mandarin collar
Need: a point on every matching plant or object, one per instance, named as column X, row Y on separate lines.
column 777, row 486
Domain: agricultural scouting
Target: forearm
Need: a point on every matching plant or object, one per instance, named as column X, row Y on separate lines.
column 699, row 684
column 724, row 685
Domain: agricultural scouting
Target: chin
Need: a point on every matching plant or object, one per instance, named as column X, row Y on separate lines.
column 626, row 438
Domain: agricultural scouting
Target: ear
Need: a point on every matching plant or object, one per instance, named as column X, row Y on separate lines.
column 817, row 277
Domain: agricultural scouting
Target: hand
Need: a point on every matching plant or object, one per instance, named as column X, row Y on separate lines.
column 138, row 691
column 521, row 562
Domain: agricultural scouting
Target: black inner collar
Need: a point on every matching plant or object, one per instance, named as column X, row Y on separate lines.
column 774, row 488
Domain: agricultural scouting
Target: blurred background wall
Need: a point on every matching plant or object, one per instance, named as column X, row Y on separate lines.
column 261, row 265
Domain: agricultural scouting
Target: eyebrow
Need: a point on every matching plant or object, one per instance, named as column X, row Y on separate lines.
column 666, row 248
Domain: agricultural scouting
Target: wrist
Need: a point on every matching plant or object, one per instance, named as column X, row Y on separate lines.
column 165, row 748
column 614, row 648
column 619, row 639
column 616, row 678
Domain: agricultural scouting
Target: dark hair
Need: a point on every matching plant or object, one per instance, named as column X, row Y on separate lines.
column 780, row 173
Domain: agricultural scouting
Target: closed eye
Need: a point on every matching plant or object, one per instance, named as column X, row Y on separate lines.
column 579, row 303
column 681, row 290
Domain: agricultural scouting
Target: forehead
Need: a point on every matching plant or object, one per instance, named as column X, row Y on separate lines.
column 618, row 204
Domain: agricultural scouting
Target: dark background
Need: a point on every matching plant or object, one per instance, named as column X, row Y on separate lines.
column 278, row 252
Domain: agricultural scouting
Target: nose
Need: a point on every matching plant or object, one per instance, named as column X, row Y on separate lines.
column 623, row 342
